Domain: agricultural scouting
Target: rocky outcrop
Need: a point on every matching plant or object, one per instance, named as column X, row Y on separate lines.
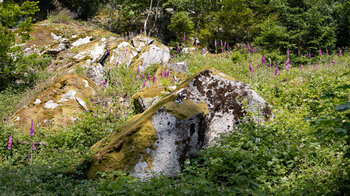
column 59, row 104
column 123, row 53
column 172, row 129
column 141, row 41
column 154, row 53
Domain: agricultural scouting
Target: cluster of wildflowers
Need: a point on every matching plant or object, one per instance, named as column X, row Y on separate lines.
column 143, row 78
column 31, row 133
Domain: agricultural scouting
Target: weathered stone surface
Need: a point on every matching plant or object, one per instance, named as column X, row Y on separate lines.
column 94, row 50
column 172, row 129
column 95, row 72
column 58, row 104
column 141, row 41
column 155, row 53
column 122, row 54
column 179, row 66
column 63, row 45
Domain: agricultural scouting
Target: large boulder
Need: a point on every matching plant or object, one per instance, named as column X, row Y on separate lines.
column 59, row 104
column 175, row 127
column 141, row 41
column 123, row 53
column 155, row 53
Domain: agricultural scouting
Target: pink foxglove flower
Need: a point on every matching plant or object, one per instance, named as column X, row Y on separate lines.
column 9, row 144
column 320, row 52
column 288, row 53
column 184, row 37
column 249, row 75
column 263, row 59
column 340, row 53
column 161, row 74
column 154, row 78
column 250, row 66
column 287, row 64
column 276, row 70
column 144, row 83
column 32, row 129
column 104, row 83
column 334, row 62
column 215, row 43
column 138, row 69
column 143, row 75
column 301, row 66
column 33, row 146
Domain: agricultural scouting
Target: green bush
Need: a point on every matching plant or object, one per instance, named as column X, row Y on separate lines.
column 181, row 25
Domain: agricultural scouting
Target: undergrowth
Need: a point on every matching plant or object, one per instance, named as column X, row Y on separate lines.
column 303, row 150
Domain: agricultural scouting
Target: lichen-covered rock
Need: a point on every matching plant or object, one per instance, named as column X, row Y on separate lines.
column 123, row 53
column 59, row 104
column 155, row 53
column 54, row 50
column 94, row 50
column 172, row 129
column 179, row 66
column 141, row 41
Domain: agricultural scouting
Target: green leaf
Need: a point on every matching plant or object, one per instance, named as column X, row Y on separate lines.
column 340, row 131
column 343, row 107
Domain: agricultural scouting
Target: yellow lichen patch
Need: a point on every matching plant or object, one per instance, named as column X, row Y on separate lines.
column 58, row 105
column 133, row 140
column 153, row 91
column 186, row 109
column 127, row 153
column 40, row 36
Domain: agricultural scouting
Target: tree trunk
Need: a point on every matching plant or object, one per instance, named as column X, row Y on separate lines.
column 149, row 13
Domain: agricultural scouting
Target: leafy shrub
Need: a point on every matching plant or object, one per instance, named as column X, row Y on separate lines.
column 181, row 25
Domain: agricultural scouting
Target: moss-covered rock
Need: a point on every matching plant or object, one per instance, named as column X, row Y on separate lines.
column 60, row 104
column 172, row 129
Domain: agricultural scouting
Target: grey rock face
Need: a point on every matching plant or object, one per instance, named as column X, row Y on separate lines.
column 141, row 41
column 228, row 102
column 154, row 54
column 179, row 67
column 122, row 54
column 63, row 45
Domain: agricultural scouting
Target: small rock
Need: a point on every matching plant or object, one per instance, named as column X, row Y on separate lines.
column 50, row 105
